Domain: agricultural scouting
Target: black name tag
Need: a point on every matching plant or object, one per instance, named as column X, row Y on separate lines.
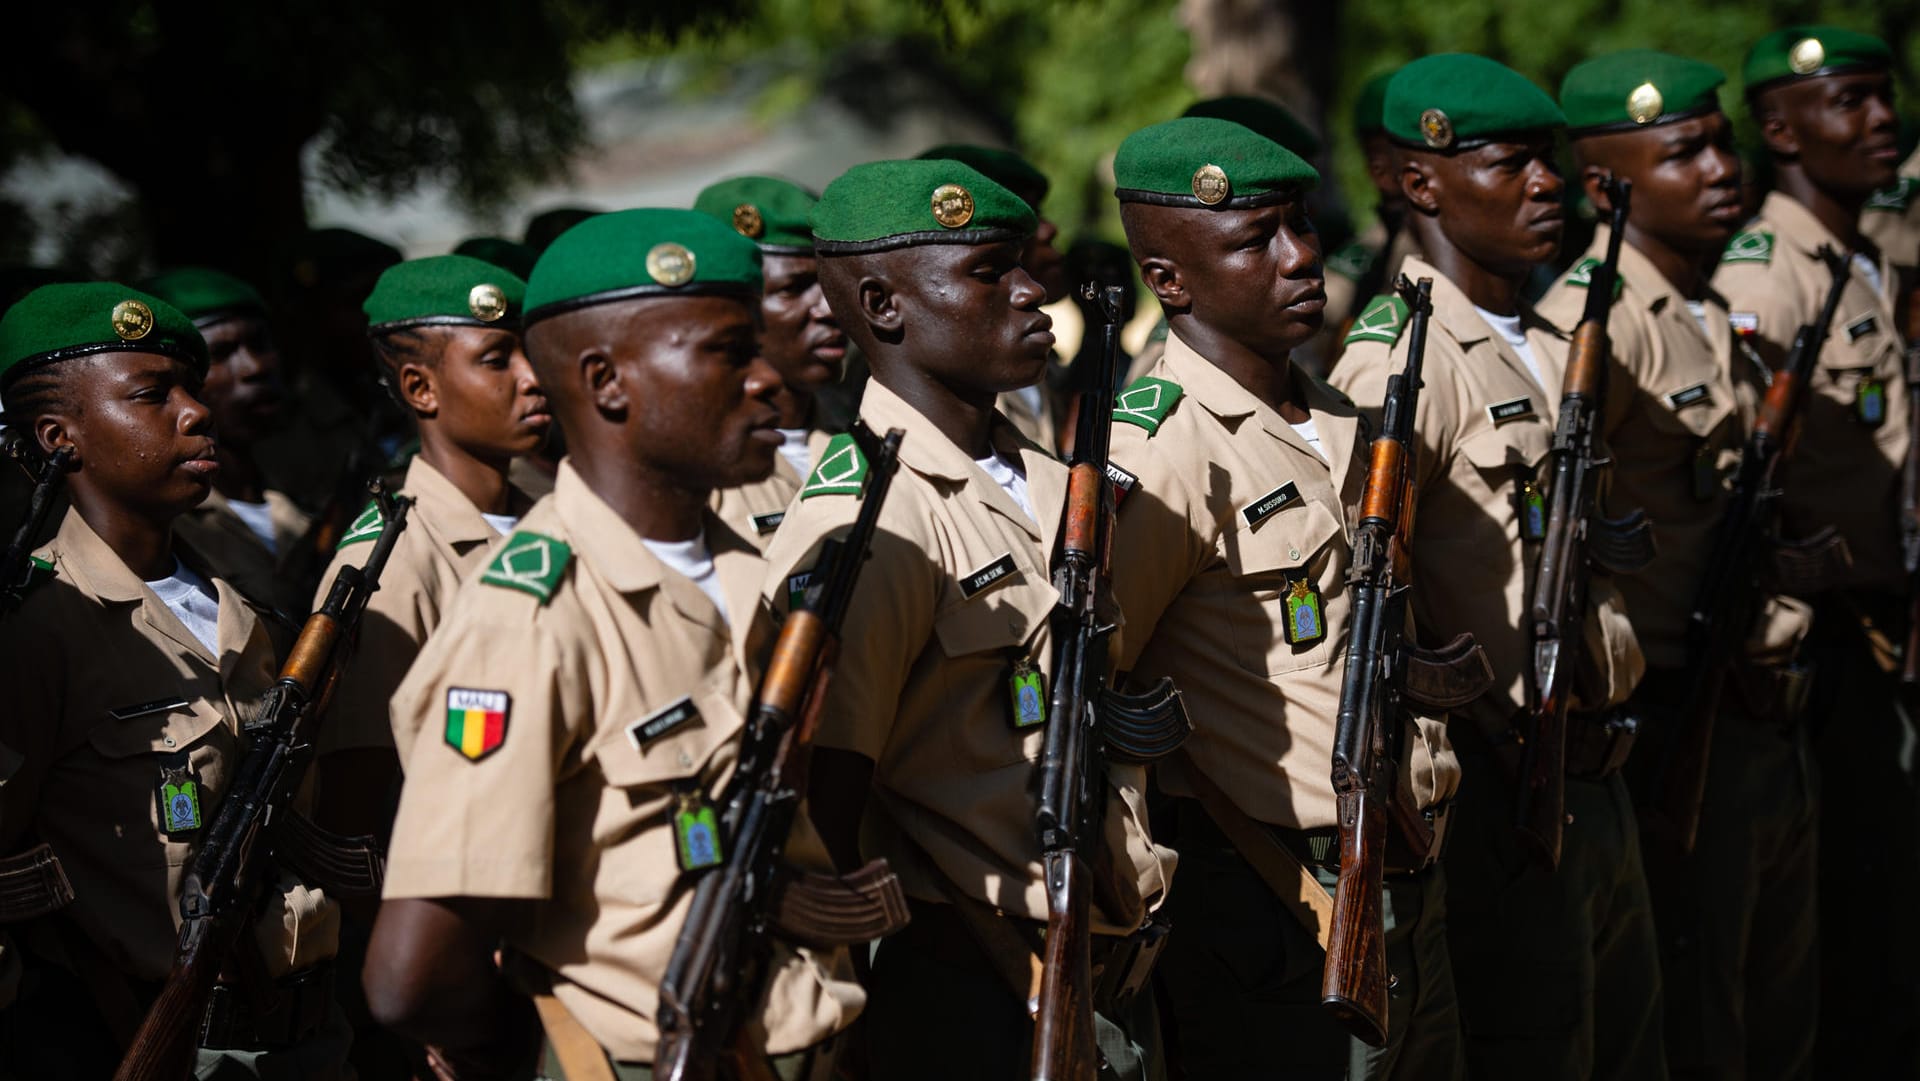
column 659, row 723
column 1862, row 327
column 1267, row 505
column 1687, row 396
column 764, row 524
column 142, row 709
column 974, row 583
column 1501, row 412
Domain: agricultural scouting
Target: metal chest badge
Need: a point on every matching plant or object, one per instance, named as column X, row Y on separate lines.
column 1870, row 402
column 1532, row 500
column 1027, row 688
column 1306, row 614
column 696, row 831
column 179, row 797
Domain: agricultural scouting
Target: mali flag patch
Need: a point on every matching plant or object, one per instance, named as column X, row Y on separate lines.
column 477, row 721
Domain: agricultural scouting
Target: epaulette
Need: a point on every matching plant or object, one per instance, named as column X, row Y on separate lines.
column 842, row 469
column 531, row 563
column 1581, row 275
column 1147, row 402
column 366, row 527
column 1353, row 260
column 1749, row 247
column 1383, row 321
column 1897, row 198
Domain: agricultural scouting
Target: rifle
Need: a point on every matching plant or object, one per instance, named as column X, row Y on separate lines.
column 1087, row 721
column 719, row 964
column 1577, row 539
column 48, row 476
column 1728, row 597
column 233, row 869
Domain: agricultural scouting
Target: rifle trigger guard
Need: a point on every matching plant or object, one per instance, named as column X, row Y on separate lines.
column 1141, row 728
column 1448, row 677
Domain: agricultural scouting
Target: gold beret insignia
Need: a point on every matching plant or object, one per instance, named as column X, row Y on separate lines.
column 1210, row 184
column 1807, row 56
column 670, row 264
column 952, row 205
column 748, row 222
column 132, row 320
column 487, row 302
column 1436, row 129
column 1645, row 103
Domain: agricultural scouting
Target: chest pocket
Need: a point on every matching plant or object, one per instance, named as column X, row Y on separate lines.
column 1268, row 557
column 981, row 636
column 1506, row 458
column 130, row 752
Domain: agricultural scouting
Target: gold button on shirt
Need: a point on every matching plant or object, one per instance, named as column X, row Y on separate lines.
column 1204, row 589
column 922, row 686
column 235, row 553
column 94, row 642
column 755, row 510
column 1471, row 572
column 1842, row 472
column 571, row 806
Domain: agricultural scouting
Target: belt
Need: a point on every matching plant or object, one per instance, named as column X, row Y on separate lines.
column 293, row 1010
column 1319, row 849
column 1598, row 743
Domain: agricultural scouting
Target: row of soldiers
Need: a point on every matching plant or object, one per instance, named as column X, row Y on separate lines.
column 551, row 684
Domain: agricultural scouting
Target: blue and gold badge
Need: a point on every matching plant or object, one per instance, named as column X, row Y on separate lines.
column 179, row 796
column 1027, row 688
column 1306, row 621
column 696, row 832
column 1532, row 501
column 1870, row 402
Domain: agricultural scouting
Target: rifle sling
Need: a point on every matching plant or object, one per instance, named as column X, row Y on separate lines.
column 581, row 1056
column 1291, row 881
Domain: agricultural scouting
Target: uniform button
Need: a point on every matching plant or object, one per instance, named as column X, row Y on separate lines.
column 1293, row 553
column 685, row 759
column 1013, row 623
column 168, row 741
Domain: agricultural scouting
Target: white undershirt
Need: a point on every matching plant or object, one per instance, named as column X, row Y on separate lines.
column 1010, row 480
column 1868, row 270
column 502, row 523
column 258, row 517
column 793, row 447
column 693, row 559
column 192, row 599
column 1508, row 327
column 1031, row 396
column 1310, row 432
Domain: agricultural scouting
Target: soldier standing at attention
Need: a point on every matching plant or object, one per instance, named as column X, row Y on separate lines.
column 798, row 336
column 1556, row 971
column 582, row 704
column 1230, row 555
column 130, row 669
column 919, row 741
column 248, row 532
column 447, row 332
column 1823, row 100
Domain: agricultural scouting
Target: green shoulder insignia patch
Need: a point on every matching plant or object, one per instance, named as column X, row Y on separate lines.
column 1581, row 276
column 1382, row 321
column 1754, row 247
column 38, row 572
column 842, row 469
column 1896, row 198
column 366, row 527
column 530, row 563
column 1352, row 260
column 1147, row 402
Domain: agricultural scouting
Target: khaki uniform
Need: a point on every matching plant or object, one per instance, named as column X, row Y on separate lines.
column 1891, row 219
column 235, row 553
column 1201, row 571
column 445, row 542
column 575, row 639
column 1584, row 1002
column 755, row 510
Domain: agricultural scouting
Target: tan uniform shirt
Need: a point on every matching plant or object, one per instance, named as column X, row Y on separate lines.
column 1891, row 219
column 1471, row 571
column 1843, row 472
column 755, row 510
column 957, row 589
column 1232, row 505
column 445, row 541
column 107, row 692
column 235, row 553
column 621, row 691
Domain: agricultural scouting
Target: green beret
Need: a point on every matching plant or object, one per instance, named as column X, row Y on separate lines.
column 1370, row 107
column 206, row 296
column 1637, row 88
column 651, row 252
column 1003, row 167
column 1203, row 161
column 325, row 257
column 1269, row 118
column 1805, row 52
column 766, row 210
column 444, row 291
column 1456, row 101
column 883, row 205
column 503, row 253
column 76, row 319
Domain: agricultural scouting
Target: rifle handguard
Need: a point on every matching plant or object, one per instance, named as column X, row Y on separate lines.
column 1448, row 677
column 1142, row 728
column 822, row 911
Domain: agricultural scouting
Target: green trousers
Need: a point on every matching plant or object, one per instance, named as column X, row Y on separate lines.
column 1558, row 972
column 1241, row 976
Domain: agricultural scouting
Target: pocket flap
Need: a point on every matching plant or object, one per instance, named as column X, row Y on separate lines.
column 680, row 738
column 1514, row 443
column 160, row 725
column 1002, row 616
column 1289, row 539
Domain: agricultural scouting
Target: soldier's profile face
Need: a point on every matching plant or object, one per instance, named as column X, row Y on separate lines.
column 144, row 440
column 488, row 400
column 699, row 393
column 243, row 387
column 802, row 339
column 1842, row 129
column 1499, row 203
column 971, row 314
column 1254, row 275
column 1686, row 180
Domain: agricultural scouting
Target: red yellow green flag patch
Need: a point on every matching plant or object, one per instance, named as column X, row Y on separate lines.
column 476, row 721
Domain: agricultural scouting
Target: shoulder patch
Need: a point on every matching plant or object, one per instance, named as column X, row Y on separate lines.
column 1384, row 318
column 1147, row 402
column 1897, row 198
column 36, row 573
column 1750, row 247
column 1352, row 260
column 531, row 563
column 1581, row 275
column 366, row 527
column 842, row 469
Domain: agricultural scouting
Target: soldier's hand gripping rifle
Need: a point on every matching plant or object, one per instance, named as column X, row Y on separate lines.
column 16, row 567
column 240, row 852
column 1087, row 722
column 1747, row 553
column 1578, row 540
column 718, row 970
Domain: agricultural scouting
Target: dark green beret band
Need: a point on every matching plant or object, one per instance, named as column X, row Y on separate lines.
column 1370, row 107
column 1808, row 52
column 506, row 254
column 207, row 296
column 77, row 319
column 1457, row 101
column 766, row 210
column 1637, row 88
column 636, row 254
column 1003, row 167
column 1205, row 163
column 883, row 205
column 1269, row 118
column 444, row 290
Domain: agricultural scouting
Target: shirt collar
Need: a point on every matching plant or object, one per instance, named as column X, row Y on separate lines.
column 453, row 516
column 1333, row 414
column 601, row 537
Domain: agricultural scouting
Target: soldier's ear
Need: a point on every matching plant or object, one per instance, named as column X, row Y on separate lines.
column 879, row 307
column 1593, row 178
column 602, row 380
column 51, row 432
column 1420, row 184
column 1163, row 279
column 414, row 381
column 1782, row 141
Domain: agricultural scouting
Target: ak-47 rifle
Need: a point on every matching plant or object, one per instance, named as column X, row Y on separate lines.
column 48, row 475
column 719, row 964
column 1578, row 540
column 1729, row 595
column 1087, row 722
column 242, row 848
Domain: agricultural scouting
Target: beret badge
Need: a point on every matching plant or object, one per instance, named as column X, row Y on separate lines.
column 748, row 222
column 1645, row 103
column 952, row 205
column 1210, row 184
column 132, row 320
column 1807, row 56
column 1436, row 129
column 487, row 302
column 670, row 264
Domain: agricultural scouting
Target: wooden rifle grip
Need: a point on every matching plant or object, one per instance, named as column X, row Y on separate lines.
column 790, row 670
column 1383, row 481
column 1083, row 508
column 1584, row 360
column 1773, row 408
column 307, row 661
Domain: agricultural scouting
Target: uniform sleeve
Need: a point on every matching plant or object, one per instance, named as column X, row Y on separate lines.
column 1162, row 535
column 389, row 638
